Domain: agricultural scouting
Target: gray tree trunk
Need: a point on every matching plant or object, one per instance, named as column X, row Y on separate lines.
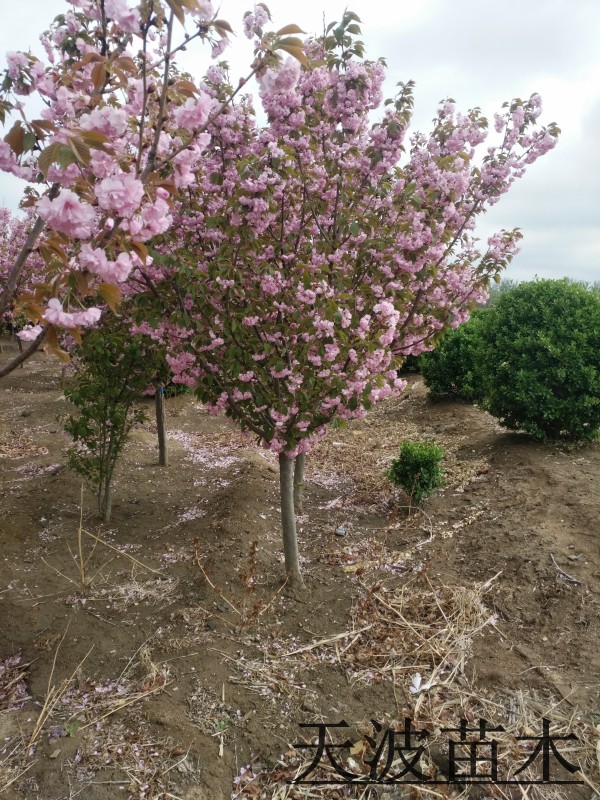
column 106, row 501
column 159, row 403
column 288, row 521
column 299, row 483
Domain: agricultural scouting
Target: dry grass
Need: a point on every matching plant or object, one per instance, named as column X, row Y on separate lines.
column 87, row 708
column 414, row 627
column 150, row 767
column 419, row 637
column 129, row 590
column 13, row 691
column 20, row 446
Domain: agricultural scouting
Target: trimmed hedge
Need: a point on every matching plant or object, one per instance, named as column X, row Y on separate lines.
column 538, row 359
column 450, row 371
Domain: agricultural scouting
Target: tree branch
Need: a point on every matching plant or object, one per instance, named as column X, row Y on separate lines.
column 27, row 353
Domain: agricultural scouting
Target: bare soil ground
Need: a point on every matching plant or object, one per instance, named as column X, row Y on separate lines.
column 185, row 666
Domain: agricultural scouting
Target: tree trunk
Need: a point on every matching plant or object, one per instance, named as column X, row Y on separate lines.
column 105, row 501
column 159, row 403
column 288, row 521
column 20, row 350
column 299, row 483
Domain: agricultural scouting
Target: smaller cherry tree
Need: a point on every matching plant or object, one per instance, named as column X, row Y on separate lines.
column 320, row 250
column 114, row 368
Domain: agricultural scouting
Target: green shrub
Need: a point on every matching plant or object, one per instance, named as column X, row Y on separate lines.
column 418, row 469
column 538, row 355
column 450, row 371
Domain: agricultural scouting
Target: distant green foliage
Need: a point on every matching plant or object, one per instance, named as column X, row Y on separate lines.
column 410, row 364
column 114, row 370
column 450, row 371
column 418, row 469
column 176, row 389
column 538, row 356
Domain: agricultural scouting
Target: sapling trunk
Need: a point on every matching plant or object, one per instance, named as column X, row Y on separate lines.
column 105, row 500
column 288, row 521
column 159, row 404
column 299, row 483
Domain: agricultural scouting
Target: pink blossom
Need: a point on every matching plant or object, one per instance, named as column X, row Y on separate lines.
column 216, row 74
column 55, row 315
column 8, row 160
column 194, row 112
column 280, row 373
column 331, row 352
column 88, row 317
column 218, row 49
column 127, row 18
column 121, row 193
column 204, row 10
column 96, row 261
column 102, row 164
column 346, row 318
column 15, row 62
column 283, row 79
column 269, row 285
column 185, row 162
column 254, row 22
column 68, row 214
column 121, row 268
column 110, row 121
column 30, row 332
column 155, row 218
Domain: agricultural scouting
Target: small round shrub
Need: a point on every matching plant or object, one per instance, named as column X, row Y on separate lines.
column 450, row 371
column 539, row 359
column 418, row 469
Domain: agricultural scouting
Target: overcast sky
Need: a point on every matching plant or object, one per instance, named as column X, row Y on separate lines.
column 479, row 52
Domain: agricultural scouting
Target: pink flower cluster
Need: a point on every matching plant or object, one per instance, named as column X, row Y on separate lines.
column 96, row 261
column 128, row 19
column 55, row 315
column 68, row 214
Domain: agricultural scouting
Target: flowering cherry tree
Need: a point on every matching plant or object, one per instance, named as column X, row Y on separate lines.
column 121, row 136
column 321, row 249
column 13, row 233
